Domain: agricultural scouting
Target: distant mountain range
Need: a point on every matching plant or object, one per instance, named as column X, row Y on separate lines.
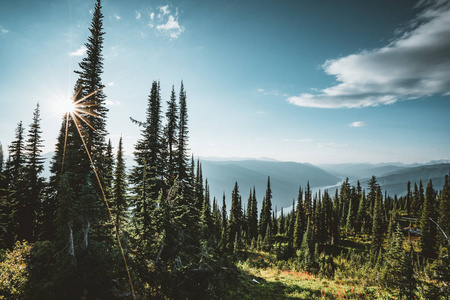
column 286, row 177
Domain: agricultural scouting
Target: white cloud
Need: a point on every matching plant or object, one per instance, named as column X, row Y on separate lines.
column 79, row 52
column 171, row 27
column 112, row 103
column 138, row 15
column 164, row 10
column 260, row 90
column 331, row 145
column 414, row 65
column 298, row 140
column 358, row 124
column 117, row 17
column 3, row 30
column 110, row 83
column 152, row 16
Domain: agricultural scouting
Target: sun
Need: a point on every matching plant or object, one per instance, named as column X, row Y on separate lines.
column 65, row 106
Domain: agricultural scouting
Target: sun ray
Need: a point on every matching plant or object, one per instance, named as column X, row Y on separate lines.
column 76, row 112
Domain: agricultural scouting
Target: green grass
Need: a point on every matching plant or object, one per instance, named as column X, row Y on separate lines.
column 281, row 281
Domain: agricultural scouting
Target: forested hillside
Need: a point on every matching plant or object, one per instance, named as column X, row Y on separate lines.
column 94, row 230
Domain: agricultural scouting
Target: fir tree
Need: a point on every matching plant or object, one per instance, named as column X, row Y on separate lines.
column 181, row 152
column 170, row 133
column 119, row 189
column 235, row 216
column 300, row 221
column 444, row 210
column 206, row 219
column 428, row 229
column 266, row 210
column 377, row 226
column 35, row 183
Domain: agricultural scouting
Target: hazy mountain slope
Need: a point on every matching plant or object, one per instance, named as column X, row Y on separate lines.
column 285, row 177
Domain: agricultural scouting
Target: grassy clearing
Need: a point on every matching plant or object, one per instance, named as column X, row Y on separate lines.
column 262, row 279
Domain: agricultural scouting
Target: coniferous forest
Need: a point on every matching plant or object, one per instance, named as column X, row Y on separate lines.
column 99, row 230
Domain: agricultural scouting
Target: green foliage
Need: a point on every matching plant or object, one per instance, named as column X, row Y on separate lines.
column 13, row 271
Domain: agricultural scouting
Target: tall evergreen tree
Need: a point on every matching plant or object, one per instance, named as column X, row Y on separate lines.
column 444, row 210
column 170, row 133
column 181, row 153
column 206, row 219
column 16, row 186
column 119, row 189
column 147, row 175
column 90, row 84
column 108, row 176
column 235, row 216
column 428, row 229
column 300, row 222
column 32, row 205
column 266, row 210
column 377, row 224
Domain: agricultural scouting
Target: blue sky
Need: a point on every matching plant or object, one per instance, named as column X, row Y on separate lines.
column 306, row 81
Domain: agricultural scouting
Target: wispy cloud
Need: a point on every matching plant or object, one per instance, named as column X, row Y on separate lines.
column 171, row 27
column 413, row 65
column 297, row 140
column 112, row 103
column 152, row 16
column 79, row 52
column 110, row 83
column 138, row 15
column 358, row 124
column 164, row 10
column 3, row 30
column 117, row 17
column 331, row 145
column 260, row 90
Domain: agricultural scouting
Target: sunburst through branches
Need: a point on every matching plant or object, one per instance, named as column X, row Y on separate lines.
column 76, row 109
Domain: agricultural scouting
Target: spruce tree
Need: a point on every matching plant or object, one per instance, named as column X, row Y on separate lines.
column 16, row 187
column 377, row 225
column 181, row 153
column 444, row 211
column 235, row 221
column 170, row 134
column 300, row 222
column 428, row 229
column 119, row 189
column 35, row 182
column 206, row 219
column 266, row 210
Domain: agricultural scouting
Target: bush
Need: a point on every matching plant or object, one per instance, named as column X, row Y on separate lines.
column 13, row 271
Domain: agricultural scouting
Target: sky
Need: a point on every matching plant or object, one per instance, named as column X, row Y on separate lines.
column 304, row 81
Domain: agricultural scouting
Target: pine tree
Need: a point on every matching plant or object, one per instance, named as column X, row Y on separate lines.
column 170, row 133
column 300, row 221
column 253, row 221
column 206, row 219
column 361, row 217
column 181, row 152
column 90, row 84
column 266, row 210
column 16, row 187
column 119, row 189
column 377, row 226
column 224, row 229
column 235, row 222
column 408, row 199
column 108, row 176
column 32, row 205
column 415, row 203
column 428, row 229
column 444, row 210
column 146, row 176
column 281, row 228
